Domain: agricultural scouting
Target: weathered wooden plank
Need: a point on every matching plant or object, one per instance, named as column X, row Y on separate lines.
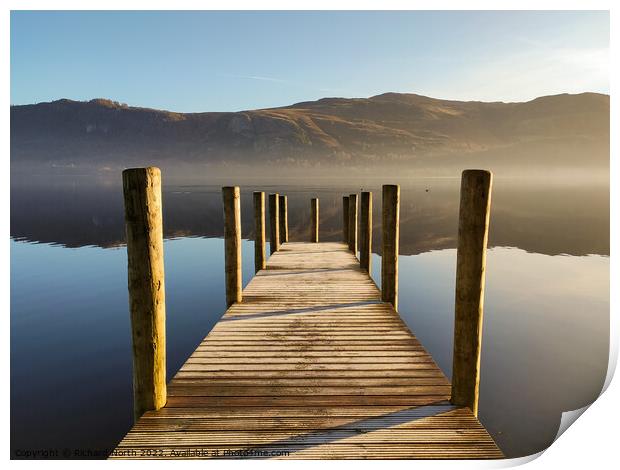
column 313, row 382
column 296, row 423
column 286, row 335
column 316, row 374
column 219, row 353
column 387, row 348
column 309, row 360
column 316, row 342
column 312, row 364
column 378, row 436
column 307, row 400
column 427, row 364
column 213, row 390
column 435, row 409
column 326, row 324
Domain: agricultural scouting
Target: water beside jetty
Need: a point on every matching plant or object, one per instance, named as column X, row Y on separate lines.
column 546, row 310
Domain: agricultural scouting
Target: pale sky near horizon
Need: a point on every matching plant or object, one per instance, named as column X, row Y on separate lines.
column 230, row 61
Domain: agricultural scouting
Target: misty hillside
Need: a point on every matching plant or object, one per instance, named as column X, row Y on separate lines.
column 407, row 130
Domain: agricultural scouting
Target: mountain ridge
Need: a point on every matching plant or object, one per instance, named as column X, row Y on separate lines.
column 389, row 130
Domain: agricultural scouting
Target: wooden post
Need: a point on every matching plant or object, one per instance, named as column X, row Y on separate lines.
column 232, row 243
column 147, row 299
column 314, row 210
column 366, row 231
column 391, row 236
column 474, row 211
column 274, row 224
column 259, row 228
column 353, row 223
column 283, row 219
column 345, row 219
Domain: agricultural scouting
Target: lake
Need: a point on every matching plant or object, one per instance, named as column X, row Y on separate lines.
column 546, row 325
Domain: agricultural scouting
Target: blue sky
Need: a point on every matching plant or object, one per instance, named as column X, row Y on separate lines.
column 228, row 61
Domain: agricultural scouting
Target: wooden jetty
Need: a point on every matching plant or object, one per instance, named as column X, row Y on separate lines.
column 309, row 362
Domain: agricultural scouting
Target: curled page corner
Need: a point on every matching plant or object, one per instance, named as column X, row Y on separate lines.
column 518, row 461
column 568, row 418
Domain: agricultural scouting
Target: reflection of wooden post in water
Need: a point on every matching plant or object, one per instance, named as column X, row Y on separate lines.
column 353, row 223
column 274, row 224
column 391, row 235
column 314, row 215
column 232, row 243
column 283, row 219
column 147, row 300
column 366, row 231
column 345, row 219
column 469, row 299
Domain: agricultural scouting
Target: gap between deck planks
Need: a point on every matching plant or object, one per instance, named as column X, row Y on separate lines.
column 310, row 365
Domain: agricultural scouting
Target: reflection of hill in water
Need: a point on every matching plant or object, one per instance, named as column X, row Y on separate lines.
column 551, row 220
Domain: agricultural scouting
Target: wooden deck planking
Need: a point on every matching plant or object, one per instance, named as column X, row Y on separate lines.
column 310, row 365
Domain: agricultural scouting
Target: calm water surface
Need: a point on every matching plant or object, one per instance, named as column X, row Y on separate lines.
column 546, row 330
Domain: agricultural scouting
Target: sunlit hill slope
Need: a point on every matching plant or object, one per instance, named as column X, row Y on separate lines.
column 404, row 130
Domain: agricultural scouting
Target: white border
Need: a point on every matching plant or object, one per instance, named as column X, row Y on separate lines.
column 591, row 442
